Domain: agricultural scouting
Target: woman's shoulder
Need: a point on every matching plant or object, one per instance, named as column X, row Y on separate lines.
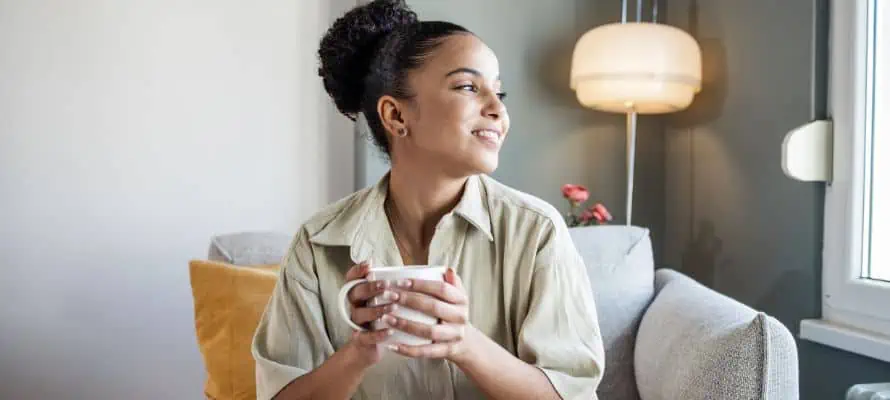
column 519, row 203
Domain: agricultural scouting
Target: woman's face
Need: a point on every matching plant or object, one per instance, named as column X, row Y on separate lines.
column 456, row 121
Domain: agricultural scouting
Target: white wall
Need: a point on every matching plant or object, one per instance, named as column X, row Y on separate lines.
column 130, row 132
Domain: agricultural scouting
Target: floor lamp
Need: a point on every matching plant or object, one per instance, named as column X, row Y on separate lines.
column 638, row 67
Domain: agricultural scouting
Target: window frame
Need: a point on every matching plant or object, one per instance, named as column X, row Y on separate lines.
column 855, row 310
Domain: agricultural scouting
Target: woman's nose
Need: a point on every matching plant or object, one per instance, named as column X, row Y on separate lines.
column 495, row 108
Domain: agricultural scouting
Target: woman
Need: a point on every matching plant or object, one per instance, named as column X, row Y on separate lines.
column 516, row 309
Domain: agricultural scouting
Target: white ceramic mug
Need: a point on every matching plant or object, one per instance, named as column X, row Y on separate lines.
column 393, row 274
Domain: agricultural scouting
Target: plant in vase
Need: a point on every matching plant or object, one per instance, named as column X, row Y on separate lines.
column 577, row 195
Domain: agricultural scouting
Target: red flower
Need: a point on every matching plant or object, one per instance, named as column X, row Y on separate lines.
column 600, row 213
column 575, row 193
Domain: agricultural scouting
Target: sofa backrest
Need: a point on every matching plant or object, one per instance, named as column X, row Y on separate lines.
column 249, row 248
column 622, row 273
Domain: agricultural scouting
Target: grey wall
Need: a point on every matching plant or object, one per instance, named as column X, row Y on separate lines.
column 552, row 139
column 734, row 221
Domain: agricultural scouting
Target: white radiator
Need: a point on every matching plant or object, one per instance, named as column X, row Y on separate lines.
column 871, row 391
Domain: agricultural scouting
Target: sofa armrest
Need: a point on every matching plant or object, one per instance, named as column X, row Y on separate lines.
column 694, row 343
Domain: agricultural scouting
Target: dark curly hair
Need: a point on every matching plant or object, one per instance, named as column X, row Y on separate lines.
column 368, row 52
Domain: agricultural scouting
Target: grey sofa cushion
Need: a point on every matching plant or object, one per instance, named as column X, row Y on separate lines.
column 621, row 271
column 694, row 343
column 249, row 248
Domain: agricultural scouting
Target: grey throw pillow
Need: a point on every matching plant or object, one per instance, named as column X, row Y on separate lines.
column 697, row 344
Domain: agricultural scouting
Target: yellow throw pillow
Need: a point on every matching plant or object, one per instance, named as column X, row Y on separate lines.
column 229, row 301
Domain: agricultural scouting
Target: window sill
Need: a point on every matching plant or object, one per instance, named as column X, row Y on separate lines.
column 843, row 337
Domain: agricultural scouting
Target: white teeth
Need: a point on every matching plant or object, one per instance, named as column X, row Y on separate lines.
column 485, row 133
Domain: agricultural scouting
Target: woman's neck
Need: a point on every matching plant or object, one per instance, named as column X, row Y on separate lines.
column 419, row 199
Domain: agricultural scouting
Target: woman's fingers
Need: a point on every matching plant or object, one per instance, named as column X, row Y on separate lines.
column 435, row 350
column 437, row 332
column 369, row 290
column 358, row 271
column 453, row 278
column 363, row 315
column 433, row 307
column 371, row 338
column 441, row 290
column 363, row 292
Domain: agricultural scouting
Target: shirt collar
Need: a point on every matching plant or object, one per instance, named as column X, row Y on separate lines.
column 358, row 220
column 473, row 206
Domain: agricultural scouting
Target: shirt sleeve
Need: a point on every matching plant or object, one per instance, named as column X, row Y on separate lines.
column 560, row 333
column 291, row 339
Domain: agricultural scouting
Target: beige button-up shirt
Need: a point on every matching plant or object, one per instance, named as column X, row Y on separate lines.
column 527, row 285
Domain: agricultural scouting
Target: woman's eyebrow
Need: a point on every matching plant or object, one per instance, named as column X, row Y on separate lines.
column 466, row 70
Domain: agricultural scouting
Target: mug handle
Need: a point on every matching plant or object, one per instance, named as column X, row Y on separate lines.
column 342, row 301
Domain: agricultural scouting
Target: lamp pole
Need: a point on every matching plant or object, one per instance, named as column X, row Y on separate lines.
column 632, row 121
column 631, row 155
column 623, row 11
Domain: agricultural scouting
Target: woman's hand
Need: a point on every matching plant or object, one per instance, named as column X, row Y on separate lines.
column 366, row 344
column 446, row 301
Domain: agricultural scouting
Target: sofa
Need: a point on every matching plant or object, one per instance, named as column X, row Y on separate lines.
column 665, row 335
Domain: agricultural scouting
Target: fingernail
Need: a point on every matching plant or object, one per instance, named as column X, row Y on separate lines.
column 392, row 347
column 390, row 308
column 389, row 319
column 405, row 283
column 391, row 296
column 380, row 285
column 388, row 332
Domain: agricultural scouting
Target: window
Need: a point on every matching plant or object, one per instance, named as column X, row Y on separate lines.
column 856, row 253
column 879, row 260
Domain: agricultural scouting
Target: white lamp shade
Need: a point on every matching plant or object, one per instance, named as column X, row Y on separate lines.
column 637, row 66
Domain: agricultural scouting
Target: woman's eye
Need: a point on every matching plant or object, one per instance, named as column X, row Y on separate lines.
column 474, row 89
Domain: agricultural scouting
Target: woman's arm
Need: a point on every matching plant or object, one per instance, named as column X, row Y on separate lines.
column 295, row 358
column 339, row 376
column 559, row 333
column 336, row 378
column 499, row 374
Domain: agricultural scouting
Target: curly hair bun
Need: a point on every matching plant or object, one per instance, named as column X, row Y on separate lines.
column 349, row 46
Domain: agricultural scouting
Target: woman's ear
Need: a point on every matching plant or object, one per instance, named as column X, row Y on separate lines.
column 390, row 111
